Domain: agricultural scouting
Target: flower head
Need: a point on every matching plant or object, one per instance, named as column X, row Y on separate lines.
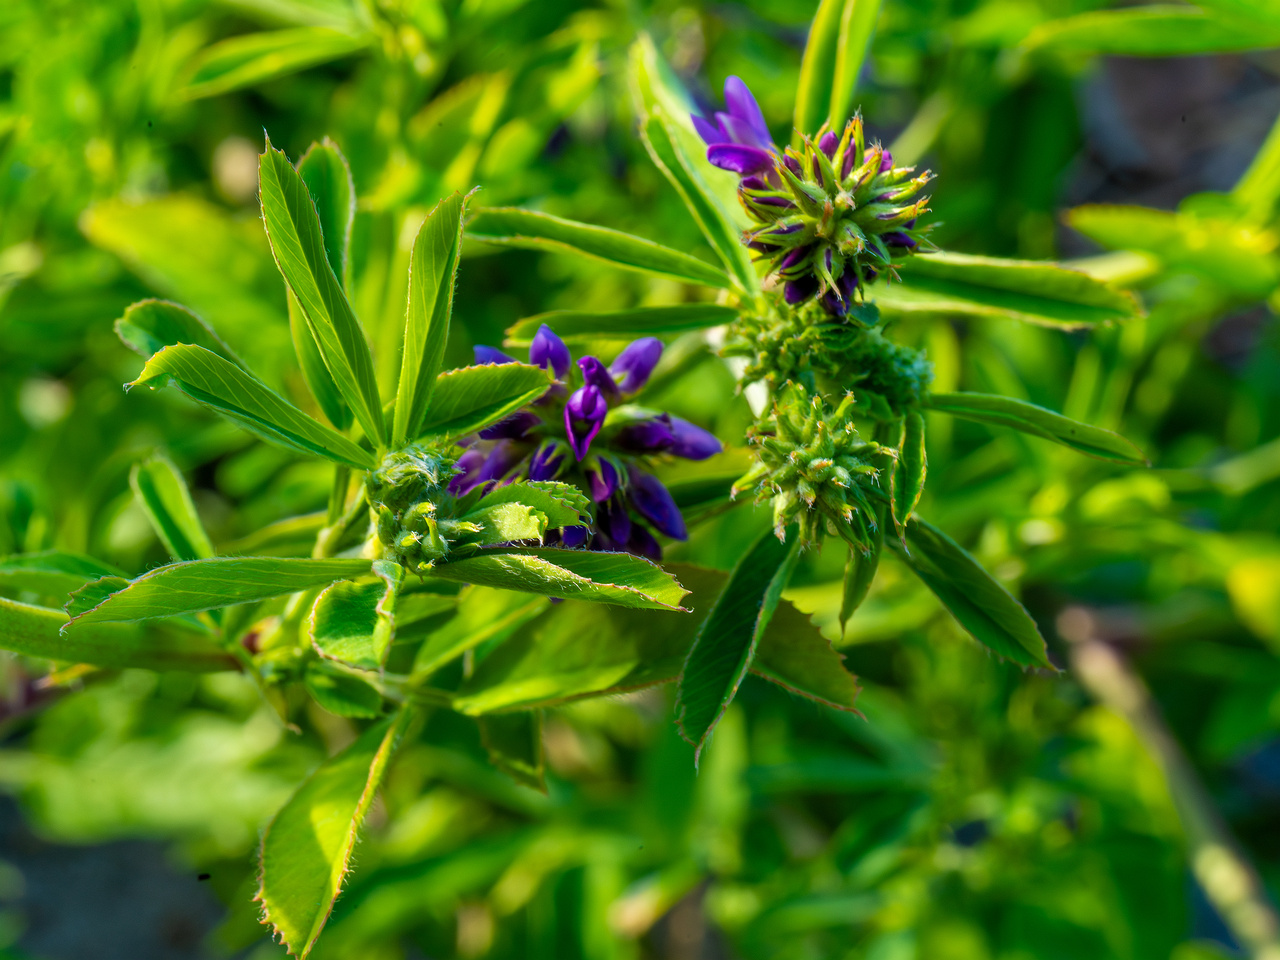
column 585, row 431
column 830, row 216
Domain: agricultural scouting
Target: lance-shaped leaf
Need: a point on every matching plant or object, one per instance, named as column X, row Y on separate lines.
column 149, row 326
column 512, row 226
column 342, row 691
column 857, row 25
column 51, row 573
column 253, row 58
column 306, row 850
column 297, row 242
column 217, row 383
column 34, row 632
column 196, row 585
column 727, row 641
column 668, row 137
column 586, row 650
column 860, row 571
column 1027, row 290
column 314, row 372
column 324, row 170
column 982, row 605
column 483, row 614
column 514, row 744
column 620, row 578
column 433, row 268
column 1035, row 420
column 908, row 474
column 1157, row 30
column 355, row 622
column 166, row 501
column 579, row 326
column 471, row 398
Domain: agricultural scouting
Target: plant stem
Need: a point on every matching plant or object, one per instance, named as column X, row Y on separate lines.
column 1224, row 872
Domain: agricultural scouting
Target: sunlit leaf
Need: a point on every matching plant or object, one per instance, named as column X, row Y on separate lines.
column 1156, row 30
column 256, row 57
column 51, row 573
column 354, row 622
column 471, row 398
column 207, row 378
column 149, row 326
column 166, row 500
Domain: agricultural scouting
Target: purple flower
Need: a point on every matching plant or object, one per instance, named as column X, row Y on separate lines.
column 547, row 461
column 642, row 543
column 485, row 354
column 635, row 363
column 801, row 289
column 595, row 375
column 646, row 436
column 512, row 427
column 613, row 522
column 742, row 124
column 655, row 504
column 468, row 476
column 739, row 159
column 573, row 536
column 692, row 442
column 504, row 456
column 548, row 350
column 583, row 416
column 602, row 478
column 828, row 143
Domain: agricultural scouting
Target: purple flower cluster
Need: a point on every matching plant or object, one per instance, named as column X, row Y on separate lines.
column 831, row 215
column 585, row 432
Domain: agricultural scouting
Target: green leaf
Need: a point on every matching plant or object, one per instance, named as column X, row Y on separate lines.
column 51, row 573
column 818, row 68
column 197, row 585
column 857, row 25
column 1233, row 254
column 576, row 650
column 860, row 571
column 306, row 850
column 342, row 691
column 512, row 226
column 166, row 501
column 34, row 632
column 666, row 137
column 472, row 398
column 727, row 641
column 564, row 505
column 324, row 170
column 355, row 622
column 1031, row 291
column 1157, row 30
column 149, row 326
column 483, row 614
column 319, row 381
column 514, row 744
column 1029, row 418
column 253, row 58
column 505, row 523
column 981, row 605
column 293, row 228
column 1258, row 189
column 580, row 326
column 619, row 578
column 433, row 268
column 208, row 379
column 292, row 536
column 908, row 474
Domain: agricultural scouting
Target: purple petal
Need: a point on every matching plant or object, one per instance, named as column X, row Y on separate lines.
column 573, row 536
column 886, row 158
column 634, row 364
column 547, row 462
column 834, row 305
column 485, row 354
column 793, row 165
column 692, row 442
column 708, row 131
column 614, row 522
column 655, row 503
column 781, row 202
column 739, row 159
column 828, row 144
column 646, row 436
column 896, row 238
column 595, row 375
column 583, row 416
column 795, row 257
column 468, row 477
column 797, row 291
column 602, row 478
column 753, row 183
column 742, row 105
column 740, row 131
column 501, row 460
column 511, row 428
column 548, row 350
column 642, row 544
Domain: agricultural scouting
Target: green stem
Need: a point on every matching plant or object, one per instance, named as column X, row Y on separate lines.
column 1224, row 872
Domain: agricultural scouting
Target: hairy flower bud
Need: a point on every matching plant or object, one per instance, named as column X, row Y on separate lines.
column 409, row 496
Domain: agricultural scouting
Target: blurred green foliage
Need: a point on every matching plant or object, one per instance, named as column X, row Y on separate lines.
column 978, row 811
